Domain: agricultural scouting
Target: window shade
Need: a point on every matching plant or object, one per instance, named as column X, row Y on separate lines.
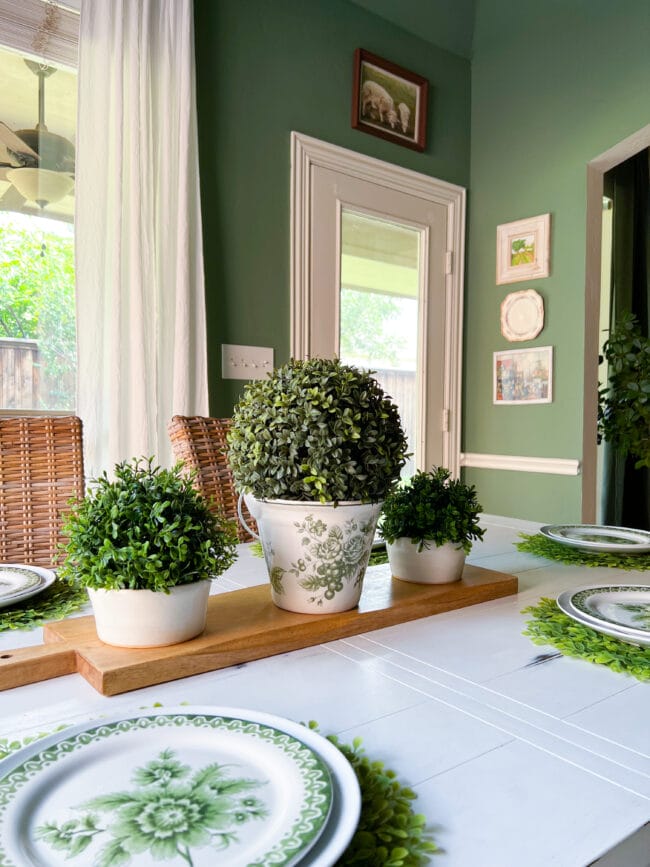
column 21, row 29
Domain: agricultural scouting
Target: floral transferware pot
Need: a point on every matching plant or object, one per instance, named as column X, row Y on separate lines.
column 316, row 553
column 441, row 564
column 144, row 618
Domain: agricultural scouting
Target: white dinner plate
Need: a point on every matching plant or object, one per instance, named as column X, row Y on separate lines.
column 565, row 604
column 597, row 537
column 19, row 581
column 218, row 786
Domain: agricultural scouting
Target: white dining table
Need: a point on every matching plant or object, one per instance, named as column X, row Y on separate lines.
column 520, row 757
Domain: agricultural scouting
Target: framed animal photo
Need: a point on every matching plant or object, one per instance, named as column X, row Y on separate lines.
column 389, row 101
column 523, row 249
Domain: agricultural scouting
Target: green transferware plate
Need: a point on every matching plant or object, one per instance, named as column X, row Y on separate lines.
column 186, row 788
column 19, row 581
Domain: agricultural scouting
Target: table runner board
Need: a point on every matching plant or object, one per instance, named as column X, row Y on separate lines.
column 242, row 625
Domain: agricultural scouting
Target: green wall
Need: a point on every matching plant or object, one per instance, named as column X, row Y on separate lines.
column 554, row 85
column 265, row 68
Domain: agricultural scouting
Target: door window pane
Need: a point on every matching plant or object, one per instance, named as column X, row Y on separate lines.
column 379, row 313
column 37, row 302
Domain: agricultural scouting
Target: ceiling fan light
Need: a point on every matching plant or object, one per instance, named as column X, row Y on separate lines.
column 40, row 185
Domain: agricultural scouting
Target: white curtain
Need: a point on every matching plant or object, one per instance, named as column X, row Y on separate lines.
column 139, row 261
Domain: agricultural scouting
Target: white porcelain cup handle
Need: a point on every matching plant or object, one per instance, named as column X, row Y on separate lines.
column 242, row 520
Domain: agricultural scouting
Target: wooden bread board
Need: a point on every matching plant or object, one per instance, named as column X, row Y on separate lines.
column 242, row 625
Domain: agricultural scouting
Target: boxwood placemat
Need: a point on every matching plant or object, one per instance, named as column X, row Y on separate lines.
column 543, row 547
column 551, row 626
column 54, row 603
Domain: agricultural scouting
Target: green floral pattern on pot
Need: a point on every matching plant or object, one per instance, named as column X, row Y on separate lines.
column 316, row 554
column 333, row 556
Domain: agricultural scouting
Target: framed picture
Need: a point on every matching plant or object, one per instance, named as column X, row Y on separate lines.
column 389, row 101
column 523, row 249
column 523, row 375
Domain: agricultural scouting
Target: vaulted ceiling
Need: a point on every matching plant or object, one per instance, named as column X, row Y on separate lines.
column 449, row 24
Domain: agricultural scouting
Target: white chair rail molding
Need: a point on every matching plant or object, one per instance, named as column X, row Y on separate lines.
column 555, row 466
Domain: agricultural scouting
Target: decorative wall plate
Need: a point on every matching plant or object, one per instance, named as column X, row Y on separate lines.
column 565, row 602
column 597, row 537
column 19, row 581
column 522, row 315
column 194, row 787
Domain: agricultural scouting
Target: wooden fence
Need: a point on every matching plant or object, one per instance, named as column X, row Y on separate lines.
column 401, row 386
column 19, row 373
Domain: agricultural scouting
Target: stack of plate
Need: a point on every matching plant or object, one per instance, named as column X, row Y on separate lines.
column 204, row 786
column 18, row 582
column 599, row 538
column 619, row 610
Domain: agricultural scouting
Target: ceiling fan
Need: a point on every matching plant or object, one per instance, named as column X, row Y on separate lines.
column 42, row 163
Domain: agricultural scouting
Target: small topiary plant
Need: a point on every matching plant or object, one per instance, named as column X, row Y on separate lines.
column 432, row 507
column 624, row 403
column 149, row 529
column 316, row 430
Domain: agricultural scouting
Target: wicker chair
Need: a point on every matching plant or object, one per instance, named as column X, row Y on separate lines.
column 200, row 443
column 41, row 468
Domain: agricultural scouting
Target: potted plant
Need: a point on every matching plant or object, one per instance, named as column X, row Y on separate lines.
column 624, row 403
column 316, row 446
column 429, row 524
column 145, row 545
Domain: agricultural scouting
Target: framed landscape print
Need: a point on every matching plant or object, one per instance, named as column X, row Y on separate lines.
column 523, row 376
column 389, row 101
column 523, row 249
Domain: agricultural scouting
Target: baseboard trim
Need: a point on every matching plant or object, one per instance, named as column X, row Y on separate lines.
column 555, row 466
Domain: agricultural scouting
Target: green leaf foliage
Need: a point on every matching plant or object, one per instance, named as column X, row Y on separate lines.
column 55, row 602
column 37, row 301
column 368, row 326
column 389, row 833
column 624, row 404
column 148, row 529
column 432, row 507
column 316, row 430
column 551, row 626
column 543, row 547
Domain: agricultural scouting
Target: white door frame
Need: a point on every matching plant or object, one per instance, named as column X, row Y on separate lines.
column 307, row 153
column 596, row 170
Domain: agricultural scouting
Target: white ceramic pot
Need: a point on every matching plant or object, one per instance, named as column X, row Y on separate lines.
column 144, row 618
column 433, row 565
column 316, row 553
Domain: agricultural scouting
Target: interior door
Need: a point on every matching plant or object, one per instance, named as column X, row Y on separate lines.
column 379, row 269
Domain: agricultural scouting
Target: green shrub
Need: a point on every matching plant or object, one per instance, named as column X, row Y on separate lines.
column 316, row 430
column 149, row 529
column 432, row 507
column 624, row 404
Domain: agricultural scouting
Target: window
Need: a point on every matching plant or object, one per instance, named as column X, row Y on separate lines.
column 37, row 130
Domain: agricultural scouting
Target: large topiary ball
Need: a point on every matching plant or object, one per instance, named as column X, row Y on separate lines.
column 316, row 430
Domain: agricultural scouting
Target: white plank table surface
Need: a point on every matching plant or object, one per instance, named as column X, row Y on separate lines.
column 520, row 757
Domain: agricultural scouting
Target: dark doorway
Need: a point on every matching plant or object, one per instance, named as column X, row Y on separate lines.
column 626, row 490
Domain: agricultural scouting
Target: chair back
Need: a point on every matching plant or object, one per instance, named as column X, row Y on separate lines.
column 41, row 468
column 200, row 442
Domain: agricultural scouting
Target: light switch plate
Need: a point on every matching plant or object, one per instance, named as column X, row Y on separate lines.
column 245, row 362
